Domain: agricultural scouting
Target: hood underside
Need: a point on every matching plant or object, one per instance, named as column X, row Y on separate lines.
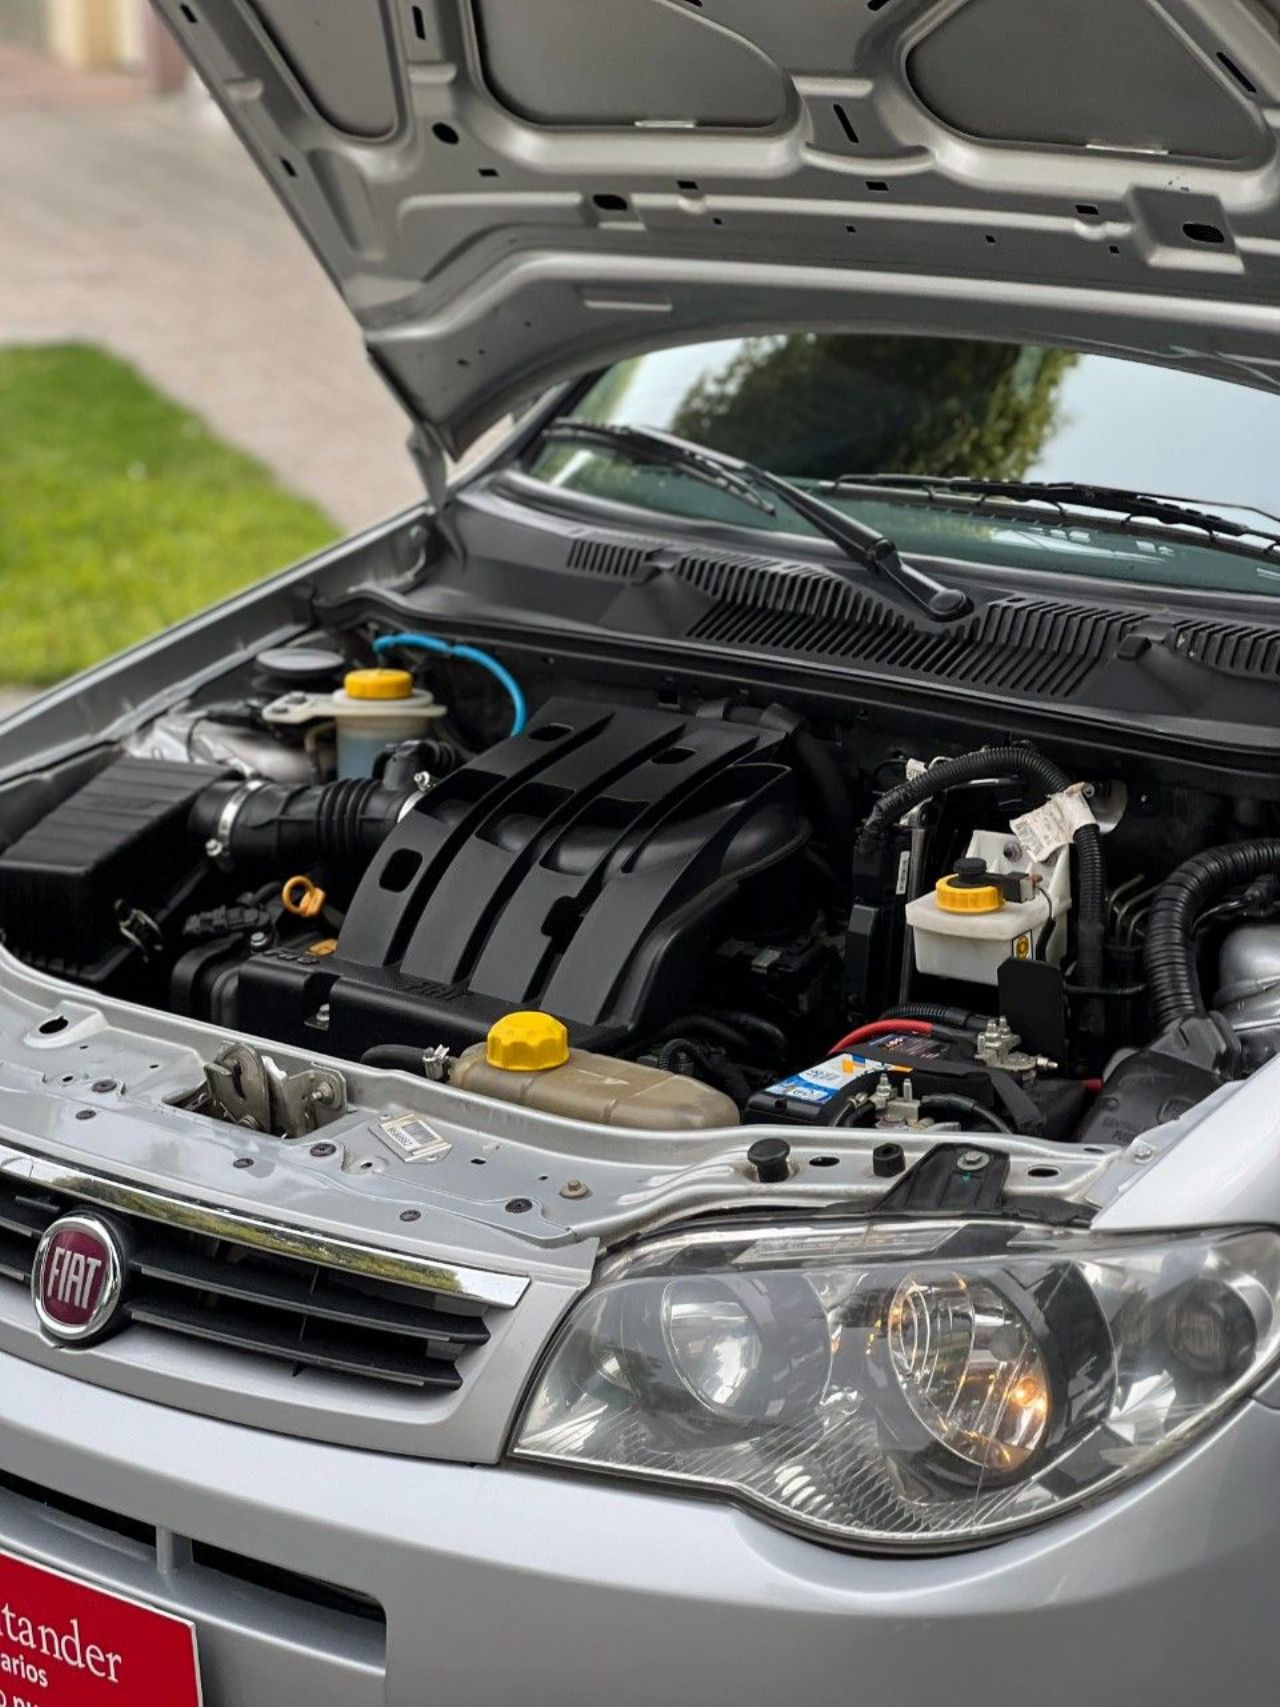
column 509, row 192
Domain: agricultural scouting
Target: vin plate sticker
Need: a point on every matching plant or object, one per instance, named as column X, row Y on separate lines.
column 412, row 1138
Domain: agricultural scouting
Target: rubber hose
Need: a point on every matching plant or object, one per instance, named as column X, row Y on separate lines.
column 766, row 1033
column 285, row 829
column 720, row 1074
column 1049, row 778
column 1170, row 953
column 959, row 1019
column 963, row 1108
column 394, row 1058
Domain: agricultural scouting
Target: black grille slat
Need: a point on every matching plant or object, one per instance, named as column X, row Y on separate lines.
column 248, row 1284
column 21, row 1216
column 15, row 1259
column 268, row 1337
column 259, row 1302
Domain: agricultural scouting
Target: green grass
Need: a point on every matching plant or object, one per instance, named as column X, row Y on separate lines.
column 120, row 512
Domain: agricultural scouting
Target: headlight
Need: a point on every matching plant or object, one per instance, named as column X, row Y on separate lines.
column 906, row 1384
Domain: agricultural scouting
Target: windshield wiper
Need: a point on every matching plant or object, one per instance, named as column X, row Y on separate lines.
column 863, row 545
column 647, row 444
column 1110, row 500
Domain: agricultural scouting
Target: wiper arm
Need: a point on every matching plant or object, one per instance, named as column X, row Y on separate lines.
column 664, row 450
column 1112, row 500
column 863, row 545
column 869, row 547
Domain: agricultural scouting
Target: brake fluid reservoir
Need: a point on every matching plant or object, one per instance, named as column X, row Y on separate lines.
column 371, row 711
column 526, row 1059
column 997, row 905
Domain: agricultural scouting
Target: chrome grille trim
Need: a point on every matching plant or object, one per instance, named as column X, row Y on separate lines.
column 479, row 1286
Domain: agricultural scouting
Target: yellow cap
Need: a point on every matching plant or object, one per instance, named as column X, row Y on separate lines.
column 953, row 898
column 527, row 1043
column 378, row 684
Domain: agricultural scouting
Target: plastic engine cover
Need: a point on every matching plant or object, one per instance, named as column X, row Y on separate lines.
column 580, row 867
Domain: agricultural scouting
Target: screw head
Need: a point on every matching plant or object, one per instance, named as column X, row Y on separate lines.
column 575, row 1188
column 323, row 1149
column 519, row 1206
column 972, row 1161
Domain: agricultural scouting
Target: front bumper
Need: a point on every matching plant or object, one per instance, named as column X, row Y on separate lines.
column 505, row 1585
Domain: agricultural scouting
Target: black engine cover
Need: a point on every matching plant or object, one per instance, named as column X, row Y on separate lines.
column 581, row 867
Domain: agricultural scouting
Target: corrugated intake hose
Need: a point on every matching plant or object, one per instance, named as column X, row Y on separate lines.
column 1049, row 778
column 1181, row 899
column 272, row 826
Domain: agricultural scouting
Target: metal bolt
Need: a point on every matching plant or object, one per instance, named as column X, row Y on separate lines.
column 323, row 1093
column 1141, row 1152
column 102, row 1086
column 411, row 1215
column 214, row 848
column 260, row 940
column 323, row 1149
column 575, row 1188
column 1012, row 850
column 519, row 1206
column 243, row 1162
column 422, row 781
column 972, row 1161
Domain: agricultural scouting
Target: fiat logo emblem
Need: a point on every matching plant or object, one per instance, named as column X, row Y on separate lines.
column 78, row 1280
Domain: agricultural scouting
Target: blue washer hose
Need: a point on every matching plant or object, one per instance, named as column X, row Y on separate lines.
column 473, row 655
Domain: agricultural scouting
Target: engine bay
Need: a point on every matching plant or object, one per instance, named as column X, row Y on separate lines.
column 658, row 910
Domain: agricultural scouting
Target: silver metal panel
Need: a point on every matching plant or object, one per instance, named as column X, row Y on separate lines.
column 502, row 1585
column 511, row 191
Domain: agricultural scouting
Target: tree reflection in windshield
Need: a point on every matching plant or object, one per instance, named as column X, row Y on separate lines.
column 821, row 406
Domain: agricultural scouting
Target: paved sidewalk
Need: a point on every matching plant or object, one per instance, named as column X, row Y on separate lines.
column 141, row 225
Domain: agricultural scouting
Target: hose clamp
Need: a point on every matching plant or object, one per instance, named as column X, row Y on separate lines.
column 218, row 846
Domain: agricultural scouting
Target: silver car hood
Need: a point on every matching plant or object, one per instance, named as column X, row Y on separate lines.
column 509, row 192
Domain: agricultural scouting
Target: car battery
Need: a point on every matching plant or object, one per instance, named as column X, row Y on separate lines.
column 819, row 1095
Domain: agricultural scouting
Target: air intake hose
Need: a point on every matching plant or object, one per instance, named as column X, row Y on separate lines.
column 1091, row 898
column 1179, row 902
column 278, row 828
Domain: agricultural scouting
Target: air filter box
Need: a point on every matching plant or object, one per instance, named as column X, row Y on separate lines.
column 117, row 847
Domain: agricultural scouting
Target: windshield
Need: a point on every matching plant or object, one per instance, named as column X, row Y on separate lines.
column 819, row 407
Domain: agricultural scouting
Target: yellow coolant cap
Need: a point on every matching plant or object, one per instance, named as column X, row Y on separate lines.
column 378, row 684
column 527, row 1043
column 954, row 897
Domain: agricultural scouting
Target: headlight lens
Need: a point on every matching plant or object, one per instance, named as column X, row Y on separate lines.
column 906, row 1384
column 969, row 1369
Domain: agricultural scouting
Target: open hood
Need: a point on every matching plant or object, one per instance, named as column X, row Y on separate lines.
column 508, row 192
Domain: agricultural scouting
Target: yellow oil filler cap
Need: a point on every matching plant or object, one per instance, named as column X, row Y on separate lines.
column 527, row 1043
column 969, row 889
column 378, row 684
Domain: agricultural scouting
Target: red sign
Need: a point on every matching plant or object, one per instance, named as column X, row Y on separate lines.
column 64, row 1644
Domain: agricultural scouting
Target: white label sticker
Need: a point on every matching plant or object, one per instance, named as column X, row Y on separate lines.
column 1053, row 825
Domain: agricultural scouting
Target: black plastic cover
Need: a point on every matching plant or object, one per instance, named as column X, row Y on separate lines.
column 581, row 867
column 118, row 844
